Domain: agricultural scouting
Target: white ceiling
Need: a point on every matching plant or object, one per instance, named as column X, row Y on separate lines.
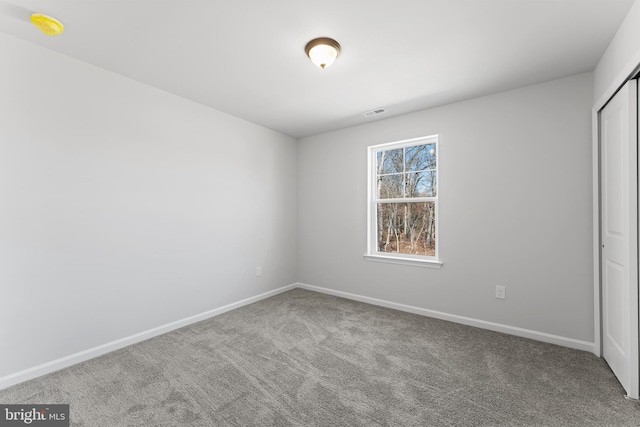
column 246, row 57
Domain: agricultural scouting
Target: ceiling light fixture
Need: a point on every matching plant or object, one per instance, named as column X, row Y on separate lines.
column 322, row 51
column 48, row 25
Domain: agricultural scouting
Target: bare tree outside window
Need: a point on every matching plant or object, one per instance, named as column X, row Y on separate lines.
column 405, row 197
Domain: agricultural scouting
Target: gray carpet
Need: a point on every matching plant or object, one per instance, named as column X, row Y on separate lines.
column 308, row 359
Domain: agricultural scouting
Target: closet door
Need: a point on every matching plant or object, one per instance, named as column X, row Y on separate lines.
column 619, row 235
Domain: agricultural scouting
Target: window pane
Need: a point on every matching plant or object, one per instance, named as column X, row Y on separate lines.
column 389, row 161
column 407, row 228
column 390, row 186
column 421, row 184
column 421, row 157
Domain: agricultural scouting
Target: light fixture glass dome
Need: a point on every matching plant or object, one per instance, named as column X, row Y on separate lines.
column 323, row 51
column 48, row 25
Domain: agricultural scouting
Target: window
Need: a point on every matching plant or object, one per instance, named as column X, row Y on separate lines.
column 403, row 202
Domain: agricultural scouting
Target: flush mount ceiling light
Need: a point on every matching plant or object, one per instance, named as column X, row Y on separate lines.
column 322, row 51
column 48, row 25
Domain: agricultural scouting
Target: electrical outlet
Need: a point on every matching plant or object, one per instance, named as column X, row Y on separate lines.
column 258, row 271
column 501, row 292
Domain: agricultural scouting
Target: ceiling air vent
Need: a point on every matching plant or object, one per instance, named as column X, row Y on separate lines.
column 373, row 113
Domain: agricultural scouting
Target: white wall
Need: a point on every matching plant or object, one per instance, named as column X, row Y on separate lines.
column 124, row 207
column 620, row 58
column 515, row 210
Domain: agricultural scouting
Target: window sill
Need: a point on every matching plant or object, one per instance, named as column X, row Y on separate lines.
column 428, row 263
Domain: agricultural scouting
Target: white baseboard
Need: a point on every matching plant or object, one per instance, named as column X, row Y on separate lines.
column 82, row 356
column 497, row 327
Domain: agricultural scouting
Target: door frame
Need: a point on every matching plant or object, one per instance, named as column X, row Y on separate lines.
column 629, row 72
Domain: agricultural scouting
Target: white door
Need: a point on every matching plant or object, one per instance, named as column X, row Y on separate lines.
column 619, row 236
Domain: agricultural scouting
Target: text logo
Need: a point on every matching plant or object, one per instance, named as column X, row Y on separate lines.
column 34, row 415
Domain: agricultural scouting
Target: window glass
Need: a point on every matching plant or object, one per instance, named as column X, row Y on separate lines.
column 404, row 200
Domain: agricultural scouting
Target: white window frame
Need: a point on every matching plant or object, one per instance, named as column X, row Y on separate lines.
column 372, row 203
